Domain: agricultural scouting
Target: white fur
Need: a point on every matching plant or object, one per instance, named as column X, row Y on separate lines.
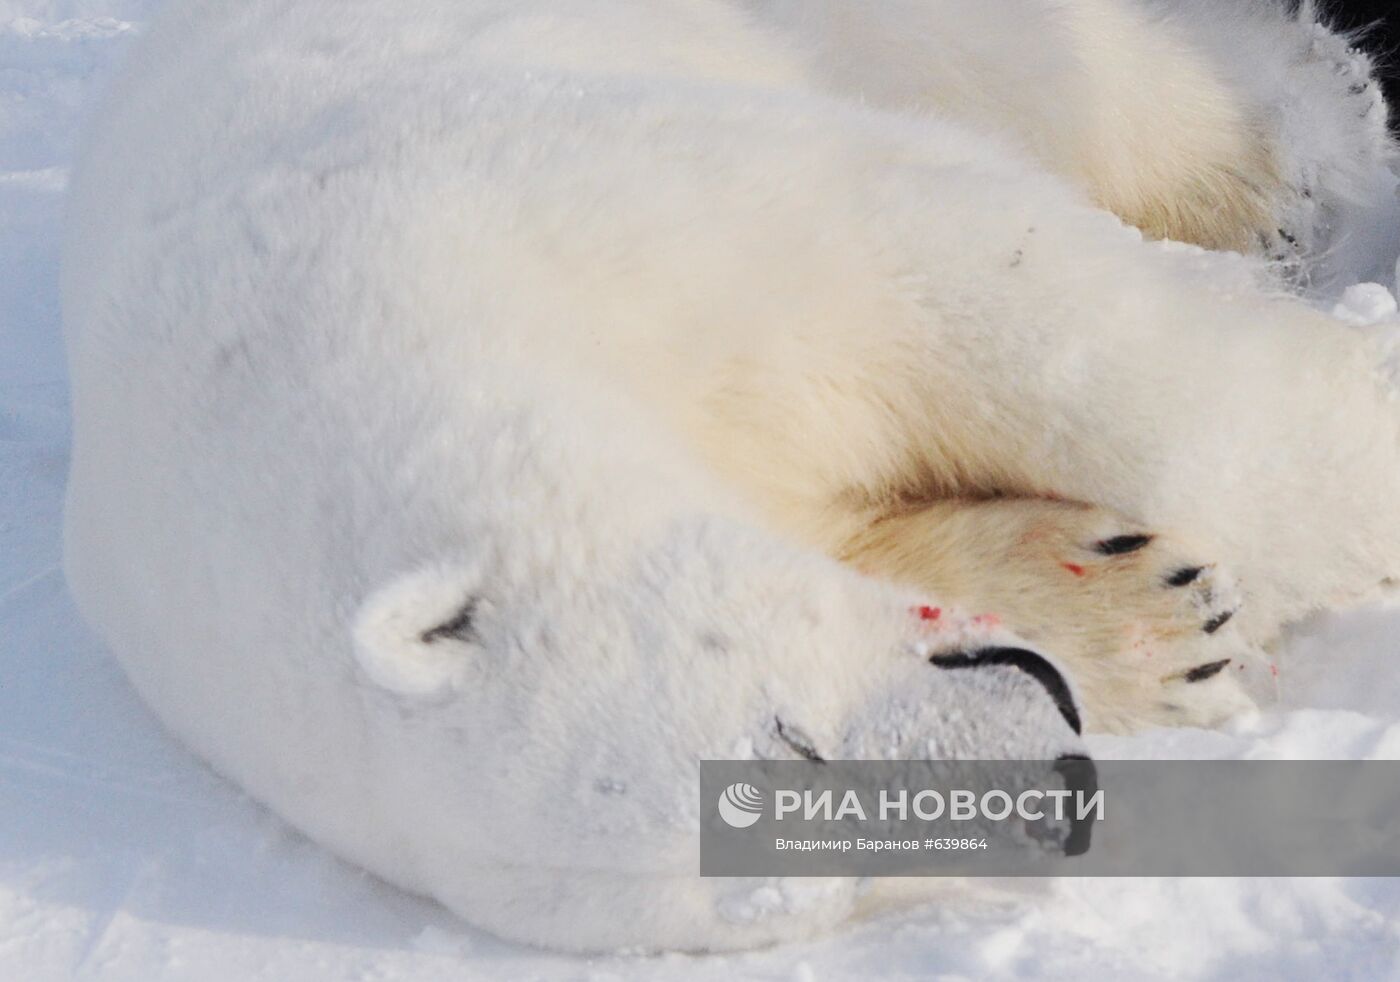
column 616, row 315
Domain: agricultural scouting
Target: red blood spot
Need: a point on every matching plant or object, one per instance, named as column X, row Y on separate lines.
column 987, row 620
column 1074, row 568
column 1273, row 670
column 929, row 613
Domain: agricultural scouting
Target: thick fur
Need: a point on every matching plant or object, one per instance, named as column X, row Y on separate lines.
column 472, row 401
column 1231, row 124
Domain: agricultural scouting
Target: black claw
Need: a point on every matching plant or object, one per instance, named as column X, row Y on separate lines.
column 1184, row 576
column 1036, row 666
column 1217, row 622
column 1207, row 671
column 1121, row 544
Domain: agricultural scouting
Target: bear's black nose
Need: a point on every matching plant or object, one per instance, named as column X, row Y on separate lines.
column 1082, row 777
column 1036, row 666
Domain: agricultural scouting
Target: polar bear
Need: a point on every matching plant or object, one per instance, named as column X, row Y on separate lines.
column 486, row 409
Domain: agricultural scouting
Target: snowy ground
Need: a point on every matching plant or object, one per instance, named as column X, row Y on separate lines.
column 122, row 858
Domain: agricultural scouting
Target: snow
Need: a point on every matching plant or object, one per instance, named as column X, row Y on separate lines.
column 121, row 857
column 1365, row 305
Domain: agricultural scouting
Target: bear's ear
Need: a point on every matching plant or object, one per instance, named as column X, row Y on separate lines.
column 417, row 635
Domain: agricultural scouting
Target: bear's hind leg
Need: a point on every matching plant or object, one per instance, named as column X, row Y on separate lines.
column 1332, row 209
column 1234, row 126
